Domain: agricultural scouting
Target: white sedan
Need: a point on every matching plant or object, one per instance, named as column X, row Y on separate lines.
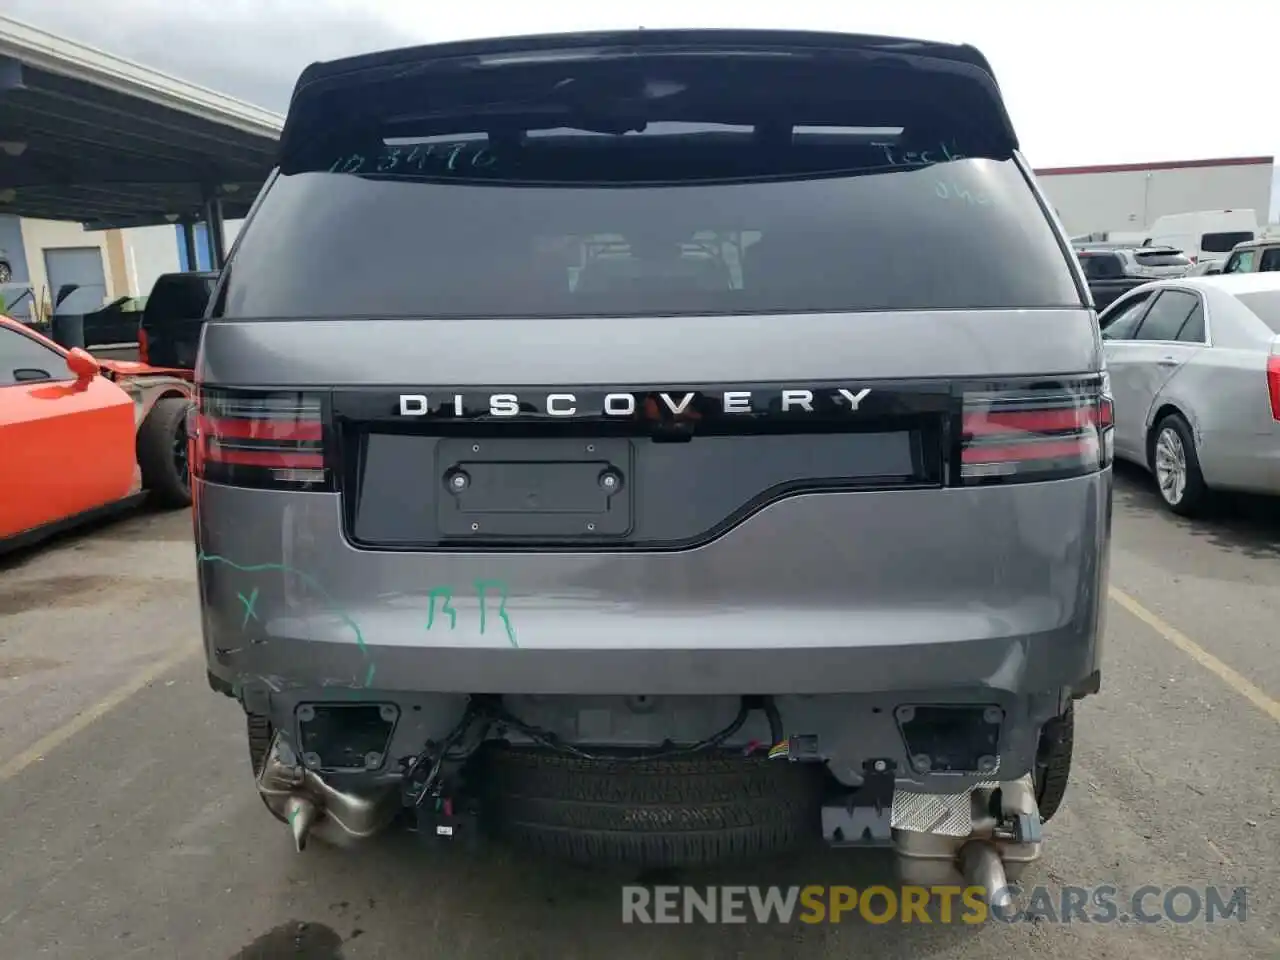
column 1195, row 373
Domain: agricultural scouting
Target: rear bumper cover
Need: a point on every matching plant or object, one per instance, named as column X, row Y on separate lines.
column 998, row 588
column 843, row 607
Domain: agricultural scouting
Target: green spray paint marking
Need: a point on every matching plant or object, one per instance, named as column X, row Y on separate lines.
column 249, row 612
column 444, row 593
column 306, row 578
column 447, row 594
column 501, row 587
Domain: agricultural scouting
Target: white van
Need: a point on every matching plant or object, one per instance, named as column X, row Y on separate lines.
column 1209, row 234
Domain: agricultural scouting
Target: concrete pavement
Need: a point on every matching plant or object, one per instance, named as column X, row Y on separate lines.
column 129, row 826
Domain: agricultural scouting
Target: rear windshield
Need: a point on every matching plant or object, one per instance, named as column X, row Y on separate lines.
column 1161, row 259
column 1265, row 305
column 182, row 296
column 631, row 208
column 1101, row 266
column 1223, row 242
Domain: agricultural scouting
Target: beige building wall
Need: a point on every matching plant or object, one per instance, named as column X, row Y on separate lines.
column 117, row 270
column 41, row 235
column 1128, row 198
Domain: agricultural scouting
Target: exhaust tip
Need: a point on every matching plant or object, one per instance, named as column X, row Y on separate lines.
column 301, row 814
column 1001, row 898
column 981, row 865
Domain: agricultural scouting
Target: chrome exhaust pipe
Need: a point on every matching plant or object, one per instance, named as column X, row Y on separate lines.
column 974, row 837
column 981, row 866
column 312, row 806
column 302, row 815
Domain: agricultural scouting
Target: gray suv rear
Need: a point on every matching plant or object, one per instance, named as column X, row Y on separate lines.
column 656, row 446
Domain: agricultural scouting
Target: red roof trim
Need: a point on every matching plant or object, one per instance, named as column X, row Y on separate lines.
column 1164, row 165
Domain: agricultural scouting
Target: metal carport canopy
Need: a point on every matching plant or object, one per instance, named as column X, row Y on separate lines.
column 94, row 138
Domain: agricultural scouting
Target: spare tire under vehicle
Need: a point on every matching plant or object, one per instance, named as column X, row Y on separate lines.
column 678, row 811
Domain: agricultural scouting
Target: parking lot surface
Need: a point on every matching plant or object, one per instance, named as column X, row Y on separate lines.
column 129, row 826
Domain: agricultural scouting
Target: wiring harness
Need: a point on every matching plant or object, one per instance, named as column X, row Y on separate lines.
column 484, row 712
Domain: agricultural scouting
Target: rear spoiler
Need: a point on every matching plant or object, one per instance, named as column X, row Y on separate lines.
column 798, row 40
column 306, row 111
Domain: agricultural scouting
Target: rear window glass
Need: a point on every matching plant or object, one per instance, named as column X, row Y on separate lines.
column 1223, row 242
column 618, row 189
column 1101, row 266
column 1119, row 322
column 179, row 297
column 1265, row 305
column 1164, row 259
column 1240, row 262
column 1168, row 315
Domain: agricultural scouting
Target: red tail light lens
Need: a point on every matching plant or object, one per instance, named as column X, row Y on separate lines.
column 1036, row 434
column 1273, row 384
column 261, row 439
column 143, row 353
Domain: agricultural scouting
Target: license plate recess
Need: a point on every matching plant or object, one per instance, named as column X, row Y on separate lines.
column 529, row 489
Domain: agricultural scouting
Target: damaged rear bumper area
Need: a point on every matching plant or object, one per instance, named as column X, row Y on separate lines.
column 783, row 683
column 949, row 787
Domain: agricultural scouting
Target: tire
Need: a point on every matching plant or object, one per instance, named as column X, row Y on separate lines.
column 1190, row 499
column 656, row 813
column 1053, row 762
column 162, row 457
column 6, row 272
column 260, row 733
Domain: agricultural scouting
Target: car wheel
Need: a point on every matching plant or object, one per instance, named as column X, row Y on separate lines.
column 6, row 272
column 1177, row 467
column 1053, row 762
column 162, row 453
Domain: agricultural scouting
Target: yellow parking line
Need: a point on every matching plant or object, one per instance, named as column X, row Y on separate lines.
column 1200, row 655
column 12, row 767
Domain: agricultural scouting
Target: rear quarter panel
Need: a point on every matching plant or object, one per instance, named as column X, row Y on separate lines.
column 1223, row 392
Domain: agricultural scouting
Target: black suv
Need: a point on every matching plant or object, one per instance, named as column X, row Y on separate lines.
column 1114, row 270
column 169, row 332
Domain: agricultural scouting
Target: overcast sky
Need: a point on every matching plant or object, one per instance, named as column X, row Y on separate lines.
column 1086, row 81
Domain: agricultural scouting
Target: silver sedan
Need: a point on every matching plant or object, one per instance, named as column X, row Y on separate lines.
column 1195, row 373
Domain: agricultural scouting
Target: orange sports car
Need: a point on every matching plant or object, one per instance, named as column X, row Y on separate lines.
column 81, row 436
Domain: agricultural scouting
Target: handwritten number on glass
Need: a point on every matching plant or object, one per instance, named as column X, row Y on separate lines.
column 348, row 164
column 949, row 190
column 423, row 158
column 387, row 162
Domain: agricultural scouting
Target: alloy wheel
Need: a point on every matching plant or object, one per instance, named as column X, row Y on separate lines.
column 1171, row 466
column 180, row 453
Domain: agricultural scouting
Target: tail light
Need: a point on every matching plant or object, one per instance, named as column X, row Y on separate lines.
column 1065, row 430
column 1273, row 383
column 261, row 439
column 143, row 352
